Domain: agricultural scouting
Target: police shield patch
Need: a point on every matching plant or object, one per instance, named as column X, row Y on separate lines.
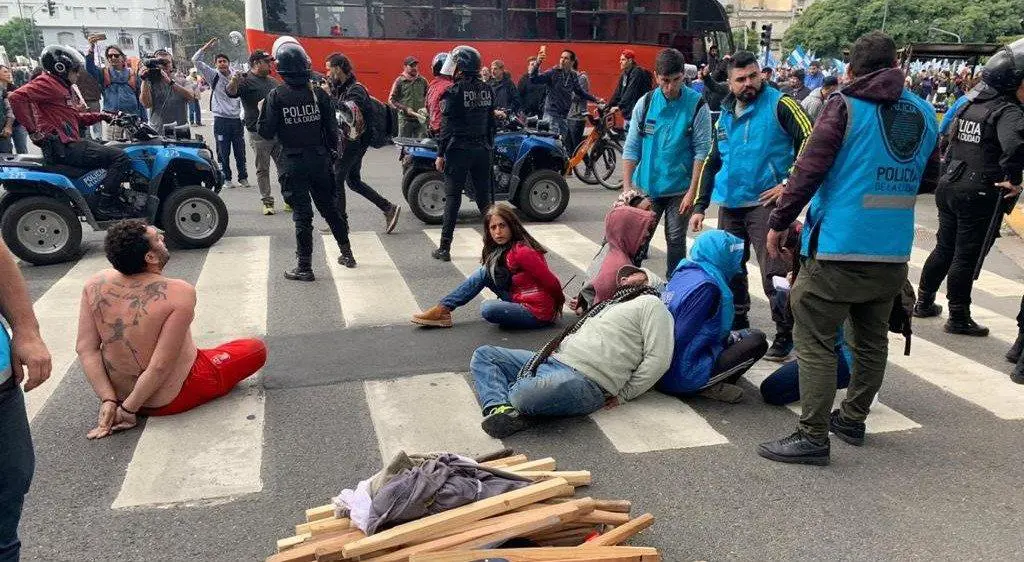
column 902, row 127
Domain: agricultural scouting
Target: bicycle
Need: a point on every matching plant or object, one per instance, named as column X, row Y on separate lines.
column 595, row 160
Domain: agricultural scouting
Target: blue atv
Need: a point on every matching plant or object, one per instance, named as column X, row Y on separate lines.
column 527, row 171
column 174, row 184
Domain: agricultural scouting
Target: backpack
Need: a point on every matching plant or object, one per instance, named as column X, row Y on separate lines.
column 902, row 313
column 381, row 121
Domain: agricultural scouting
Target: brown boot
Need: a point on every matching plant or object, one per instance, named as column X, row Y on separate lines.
column 437, row 316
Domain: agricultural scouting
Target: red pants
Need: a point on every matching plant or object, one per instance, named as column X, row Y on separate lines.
column 215, row 372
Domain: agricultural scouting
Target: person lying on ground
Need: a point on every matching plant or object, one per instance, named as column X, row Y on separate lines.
column 512, row 265
column 627, row 231
column 135, row 338
column 614, row 353
column 709, row 357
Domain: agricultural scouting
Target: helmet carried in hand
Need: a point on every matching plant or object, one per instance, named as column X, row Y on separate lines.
column 61, row 60
column 1004, row 71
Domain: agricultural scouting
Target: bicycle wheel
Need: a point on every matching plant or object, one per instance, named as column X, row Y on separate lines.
column 584, row 171
column 606, row 165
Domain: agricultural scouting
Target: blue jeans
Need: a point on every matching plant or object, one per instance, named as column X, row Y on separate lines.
column 229, row 135
column 17, row 462
column 502, row 312
column 675, row 229
column 20, row 139
column 556, row 390
column 195, row 113
column 783, row 386
column 560, row 125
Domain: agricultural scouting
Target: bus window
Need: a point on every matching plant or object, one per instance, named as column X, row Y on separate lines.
column 658, row 22
column 345, row 20
column 600, row 20
column 536, row 19
column 279, row 16
column 470, row 19
column 403, row 19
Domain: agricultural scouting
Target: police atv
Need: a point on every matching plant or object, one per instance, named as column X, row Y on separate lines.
column 174, row 185
column 527, row 171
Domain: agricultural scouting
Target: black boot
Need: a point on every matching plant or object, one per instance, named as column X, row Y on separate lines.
column 1017, row 375
column 302, row 272
column 109, row 207
column 925, row 306
column 781, row 348
column 346, row 258
column 443, row 252
column 960, row 322
column 1013, row 355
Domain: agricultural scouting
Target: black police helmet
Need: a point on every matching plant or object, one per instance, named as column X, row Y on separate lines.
column 293, row 63
column 438, row 63
column 60, row 60
column 1004, row 71
column 463, row 58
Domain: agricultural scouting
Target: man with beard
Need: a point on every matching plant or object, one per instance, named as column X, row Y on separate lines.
column 506, row 95
column 633, row 83
column 135, row 337
column 758, row 136
column 252, row 88
column 408, row 95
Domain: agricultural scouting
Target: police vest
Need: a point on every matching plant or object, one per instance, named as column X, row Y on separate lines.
column 756, row 152
column 864, row 209
column 973, row 141
column 301, row 114
column 465, row 111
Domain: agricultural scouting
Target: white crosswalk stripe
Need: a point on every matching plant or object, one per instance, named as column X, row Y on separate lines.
column 375, row 275
column 465, row 252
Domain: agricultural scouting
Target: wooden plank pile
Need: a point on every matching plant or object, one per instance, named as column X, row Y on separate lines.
column 547, row 514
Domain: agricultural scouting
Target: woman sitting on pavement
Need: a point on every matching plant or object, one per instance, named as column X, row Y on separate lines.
column 513, row 267
column 708, row 357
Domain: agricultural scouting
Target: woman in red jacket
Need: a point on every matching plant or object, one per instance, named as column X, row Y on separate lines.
column 513, row 267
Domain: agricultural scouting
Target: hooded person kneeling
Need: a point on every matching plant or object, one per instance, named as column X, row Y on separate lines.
column 708, row 357
column 614, row 353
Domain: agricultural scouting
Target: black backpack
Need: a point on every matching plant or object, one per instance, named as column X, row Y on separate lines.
column 381, row 123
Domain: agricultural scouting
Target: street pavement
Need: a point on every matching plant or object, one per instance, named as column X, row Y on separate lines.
column 349, row 381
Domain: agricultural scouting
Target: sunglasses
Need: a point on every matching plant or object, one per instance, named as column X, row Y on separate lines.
column 113, row 56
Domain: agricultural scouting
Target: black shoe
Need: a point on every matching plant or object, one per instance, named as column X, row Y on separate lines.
column 347, row 259
column 965, row 327
column 505, row 420
column 781, row 347
column 299, row 274
column 1013, row 355
column 850, row 431
column 927, row 309
column 442, row 254
column 797, row 448
column 740, row 322
column 391, row 218
column 1017, row 375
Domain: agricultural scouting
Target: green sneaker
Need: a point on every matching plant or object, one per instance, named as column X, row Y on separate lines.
column 505, row 420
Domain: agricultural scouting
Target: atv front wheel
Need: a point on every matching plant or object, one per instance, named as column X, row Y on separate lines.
column 42, row 230
column 427, row 197
column 544, row 195
column 194, row 217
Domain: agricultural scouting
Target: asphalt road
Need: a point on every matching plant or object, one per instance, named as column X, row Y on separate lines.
column 949, row 489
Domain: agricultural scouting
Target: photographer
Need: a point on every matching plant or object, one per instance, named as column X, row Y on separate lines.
column 166, row 100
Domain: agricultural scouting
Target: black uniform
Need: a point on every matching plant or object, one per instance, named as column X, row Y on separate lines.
column 467, row 136
column 304, row 123
column 986, row 146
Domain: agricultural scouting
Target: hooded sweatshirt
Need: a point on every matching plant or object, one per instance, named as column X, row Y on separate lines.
column 701, row 303
column 624, row 348
column 626, row 230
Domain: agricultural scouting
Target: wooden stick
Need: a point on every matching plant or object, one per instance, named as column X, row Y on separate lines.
column 507, row 461
column 286, row 543
column 306, row 552
column 539, row 464
column 574, row 477
column 318, row 513
column 430, row 526
column 322, row 526
column 606, row 517
column 622, row 533
column 546, row 554
column 617, row 506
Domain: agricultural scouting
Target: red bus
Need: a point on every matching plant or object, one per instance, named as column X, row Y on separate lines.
column 378, row 34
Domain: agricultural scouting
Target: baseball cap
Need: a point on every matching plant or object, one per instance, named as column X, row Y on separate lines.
column 410, row 60
column 628, row 53
column 259, row 56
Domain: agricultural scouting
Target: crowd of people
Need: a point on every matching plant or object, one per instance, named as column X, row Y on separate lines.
column 862, row 156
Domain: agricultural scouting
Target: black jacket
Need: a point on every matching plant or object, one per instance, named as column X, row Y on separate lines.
column 988, row 136
column 632, row 85
column 351, row 90
column 506, row 95
column 531, row 96
column 467, row 115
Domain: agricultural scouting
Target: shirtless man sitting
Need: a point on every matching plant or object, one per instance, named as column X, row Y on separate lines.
column 135, row 340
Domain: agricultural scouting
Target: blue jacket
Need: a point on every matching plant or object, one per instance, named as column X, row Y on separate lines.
column 701, row 303
column 675, row 134
column 118, row 94
column 864, row 209
column 755, row 149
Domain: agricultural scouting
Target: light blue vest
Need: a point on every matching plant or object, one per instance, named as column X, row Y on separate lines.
column 864, row 209
column 666, row 161
column 5, row 354
column 756, row 152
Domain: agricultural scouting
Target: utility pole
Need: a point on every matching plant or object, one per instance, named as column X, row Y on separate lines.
column 885, row 14
column 24, row 33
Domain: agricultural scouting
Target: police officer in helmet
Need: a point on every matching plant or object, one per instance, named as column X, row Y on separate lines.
column 982, row 172
column 300, row 116
column 466, row 139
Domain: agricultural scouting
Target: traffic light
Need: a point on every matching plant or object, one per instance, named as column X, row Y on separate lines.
column 51, row 7
column 766, row 36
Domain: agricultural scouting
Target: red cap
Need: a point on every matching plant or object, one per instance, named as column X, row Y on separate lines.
column 628, row 53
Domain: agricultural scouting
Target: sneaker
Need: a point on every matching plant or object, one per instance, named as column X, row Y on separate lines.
column 740, row 322
column 436, row 316
column 441, row 254
column 798, row 448
column 230, row 184
column 244, row 182
column 287, row 208
column 347, row 259
column 723, row 392
column 927, row 309
column 965, row 327
column 850, row 431
column 299, row 274
column 391, row 219
column 1013, row 355
column 781, row 348
column 268, row 209
column 505, row 420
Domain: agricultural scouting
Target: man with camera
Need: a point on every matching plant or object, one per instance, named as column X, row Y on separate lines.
column 166, row 100
column 252, row 88
column 227, row 114
column 119, row 83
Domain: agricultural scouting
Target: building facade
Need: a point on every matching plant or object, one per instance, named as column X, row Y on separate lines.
column 752, row 14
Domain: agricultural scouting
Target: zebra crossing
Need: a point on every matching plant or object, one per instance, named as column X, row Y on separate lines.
column 180, row 460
